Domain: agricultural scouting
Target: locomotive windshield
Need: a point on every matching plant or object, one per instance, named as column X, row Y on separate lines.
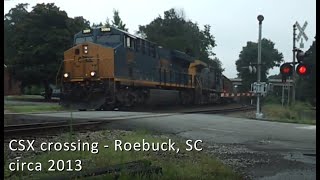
column 108, row 39
column 80, row 40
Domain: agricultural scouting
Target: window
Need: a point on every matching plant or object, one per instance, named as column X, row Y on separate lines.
column 80, row 40
column 132, row 43
column 77, row 51
column 108, row 39
column 138, row 46
column 128, row 42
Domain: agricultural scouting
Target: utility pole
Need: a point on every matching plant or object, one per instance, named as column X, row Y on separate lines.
column 259, row 114
column 293, row 99
column 282, row 99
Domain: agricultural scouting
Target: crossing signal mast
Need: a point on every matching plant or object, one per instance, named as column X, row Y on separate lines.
column 303, row 68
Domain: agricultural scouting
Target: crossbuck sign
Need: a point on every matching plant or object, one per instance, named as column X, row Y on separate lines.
column 301, row 33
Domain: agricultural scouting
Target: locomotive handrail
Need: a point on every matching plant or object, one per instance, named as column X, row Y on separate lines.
column 58, row 73
column 118, row 45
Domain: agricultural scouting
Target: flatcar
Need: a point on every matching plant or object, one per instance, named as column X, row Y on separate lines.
column 109, row 67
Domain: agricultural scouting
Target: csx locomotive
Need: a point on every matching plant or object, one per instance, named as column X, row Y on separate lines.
column 109, row 67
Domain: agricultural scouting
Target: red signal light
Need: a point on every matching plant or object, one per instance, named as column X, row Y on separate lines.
column 302, row 69
column 286, row 69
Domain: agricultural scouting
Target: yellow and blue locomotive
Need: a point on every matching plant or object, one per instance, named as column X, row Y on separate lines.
column 108, row 67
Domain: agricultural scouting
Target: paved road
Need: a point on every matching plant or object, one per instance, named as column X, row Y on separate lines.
column 264, row 150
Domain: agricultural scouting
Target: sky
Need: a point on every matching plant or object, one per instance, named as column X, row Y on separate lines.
column 233, row 22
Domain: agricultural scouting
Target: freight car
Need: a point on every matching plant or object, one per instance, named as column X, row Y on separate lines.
column 108, row 67
column 227, row 88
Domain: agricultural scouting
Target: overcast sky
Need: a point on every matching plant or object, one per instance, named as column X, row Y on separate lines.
column 233, row 22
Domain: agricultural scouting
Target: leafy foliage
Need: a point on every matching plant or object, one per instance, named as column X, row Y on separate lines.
column 173, row 31
column 35, row 41
column 116, row 21
column 270, row 57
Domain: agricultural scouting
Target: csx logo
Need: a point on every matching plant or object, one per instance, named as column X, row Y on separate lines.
column 21, row 145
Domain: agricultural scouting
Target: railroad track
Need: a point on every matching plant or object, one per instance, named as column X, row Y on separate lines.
column 85, row 124
column 223, row 110
column 48, row 127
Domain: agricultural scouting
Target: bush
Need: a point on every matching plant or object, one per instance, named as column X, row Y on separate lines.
column 299, row 112
column 272, row 99
column 33, row 90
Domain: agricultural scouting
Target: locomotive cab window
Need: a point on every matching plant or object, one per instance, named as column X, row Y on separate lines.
column 108, row 39
column 138, row 45
column 80, row 40
column 130, row 42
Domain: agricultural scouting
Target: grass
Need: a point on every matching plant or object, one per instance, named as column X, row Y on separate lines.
column 23, row 97
column 28, row 105
column 22, row 108
column 182, row 165
column 297, row 113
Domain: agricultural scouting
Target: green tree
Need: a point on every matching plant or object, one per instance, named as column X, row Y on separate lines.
column 116, row 22
column 216, row 63
column 15, row 16
column 270, row 57
column 173, row 31
column 97, row 25
column 38, row 39
column 76, row 24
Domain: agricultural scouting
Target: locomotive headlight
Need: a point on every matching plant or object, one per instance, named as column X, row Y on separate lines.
column 85, row 49
column 92, row 73
column 66, row 75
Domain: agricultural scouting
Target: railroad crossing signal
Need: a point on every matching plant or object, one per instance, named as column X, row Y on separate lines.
column 301, row 29
column 286, row 70
column 303, row 69
column 252, row 69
